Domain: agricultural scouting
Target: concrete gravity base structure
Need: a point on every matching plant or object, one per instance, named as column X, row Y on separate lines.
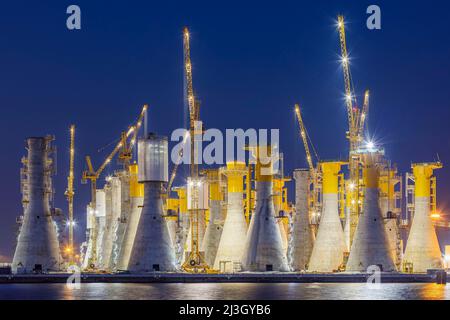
column 264, row 248
column 303, row 235
column 232, row 241
column 422, row 248
column 329, row 247
column 152, row 249
column 37, row 245
column 213, row 232
column 370, row 245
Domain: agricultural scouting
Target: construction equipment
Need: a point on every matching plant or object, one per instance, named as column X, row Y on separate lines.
column 356, row 121
column 93, row 175
column 70, row 193
column 315, row 206
column 194, row 262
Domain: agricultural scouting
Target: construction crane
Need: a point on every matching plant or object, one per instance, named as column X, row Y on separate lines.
column 92, row 175
column 314, row 173
column 70, row 193
column 195, row 262
column 355, row 134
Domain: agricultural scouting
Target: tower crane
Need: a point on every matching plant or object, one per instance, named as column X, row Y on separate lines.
column 70, row 193
column 195, row 261
column 313, row 172
column 92, row 175
column 355, row 134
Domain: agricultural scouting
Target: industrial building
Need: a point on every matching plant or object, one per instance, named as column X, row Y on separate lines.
column 347, row 215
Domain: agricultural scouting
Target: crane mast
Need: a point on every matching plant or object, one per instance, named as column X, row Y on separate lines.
column 70, row 193
column 356, row 121
column 195, row 261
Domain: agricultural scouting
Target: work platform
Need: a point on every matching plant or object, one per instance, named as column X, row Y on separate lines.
column 159, row 277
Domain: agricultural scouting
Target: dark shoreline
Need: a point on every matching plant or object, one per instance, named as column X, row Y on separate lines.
column 219, row 278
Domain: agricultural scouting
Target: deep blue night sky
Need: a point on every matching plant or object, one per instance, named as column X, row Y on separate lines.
column 251, row 61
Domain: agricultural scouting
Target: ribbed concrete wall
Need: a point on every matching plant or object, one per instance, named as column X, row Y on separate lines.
column 37, row 243
column 130, row 232
column 122, row 221
column 264, row 247
column 370, row 244
column 392, row 230
column 422, row 248
column 329, row 247
column 152, row 247
column 303, row 236
column 232, row 241
column 213, row 232
column 113, row 211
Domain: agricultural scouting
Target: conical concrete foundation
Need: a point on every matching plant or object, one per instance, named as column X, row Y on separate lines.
column 264, row 248
column 370, row 245
column 329, row 247
column 422, row 248
column 130, row 232
column 213, row 232
column 152, row 249
column 303, row 236
column 232, row 241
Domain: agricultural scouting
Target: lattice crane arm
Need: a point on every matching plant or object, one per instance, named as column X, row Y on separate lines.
column 364, row 113
column 188, row 74
column 349, row 92
column 304, row 136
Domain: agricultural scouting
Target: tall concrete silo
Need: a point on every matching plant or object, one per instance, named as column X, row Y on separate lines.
column 136, row 202
column 232, row 241
column 216, row 221
column 183, row 225
column 303, row 235
column 152, row 249
column 37, row 247
column 328, row 251
column 370, row 245
column 422, row 249
column 113, row 194
column 264, row 247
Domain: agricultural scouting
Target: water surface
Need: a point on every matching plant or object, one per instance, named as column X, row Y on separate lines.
column 224, row 291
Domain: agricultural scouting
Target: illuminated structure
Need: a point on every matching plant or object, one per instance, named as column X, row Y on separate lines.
column 303, row 235
column 328, row 251
column 264, row 248
column 152, row 248
column 232, row 241
column 37, row 247
column 136, row 202
column 214, row 229
column 422, row 249
column 370, row 245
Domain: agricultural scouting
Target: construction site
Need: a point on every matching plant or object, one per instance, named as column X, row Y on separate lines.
column 348, row 215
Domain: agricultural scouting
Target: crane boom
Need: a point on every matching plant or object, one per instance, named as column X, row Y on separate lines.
column 188, row 75
column 93, row 175
column 362, row 118
column 349, row 92
column 304, row 136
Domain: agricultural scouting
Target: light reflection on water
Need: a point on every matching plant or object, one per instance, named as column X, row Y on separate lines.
column 225, row 291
